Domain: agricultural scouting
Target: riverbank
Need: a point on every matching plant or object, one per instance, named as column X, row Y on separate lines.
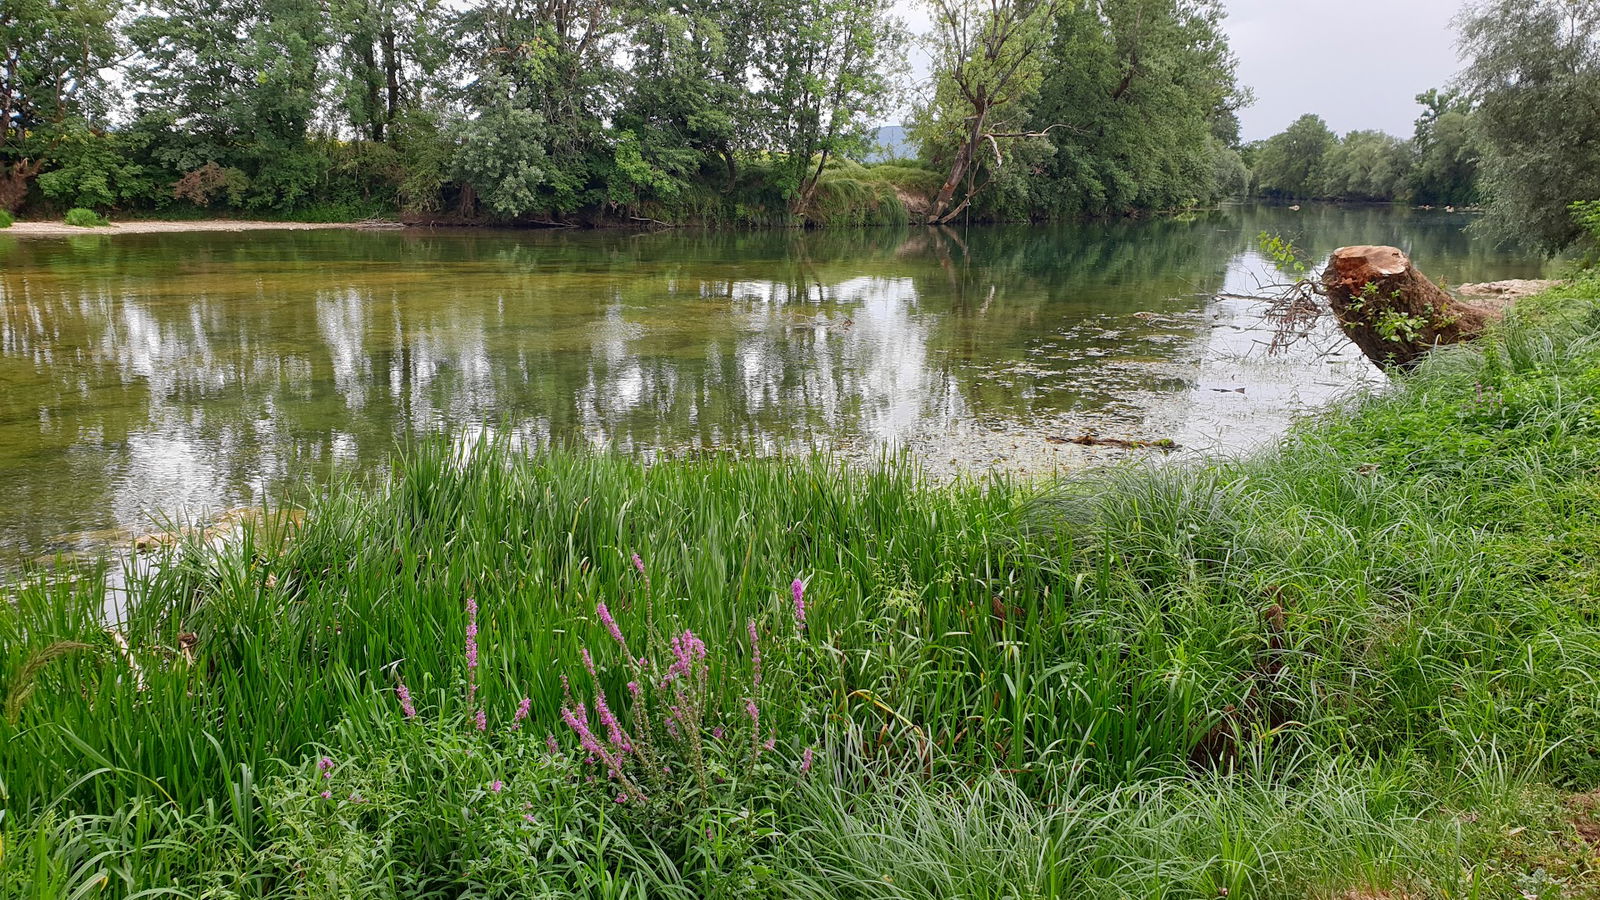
column 1361, row 664
column 157, row 226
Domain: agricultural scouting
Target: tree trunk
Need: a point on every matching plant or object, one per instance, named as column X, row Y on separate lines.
column 958, row 169
column 1392, row 311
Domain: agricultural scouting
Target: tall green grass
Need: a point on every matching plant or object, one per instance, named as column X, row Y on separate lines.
column 1357, row 662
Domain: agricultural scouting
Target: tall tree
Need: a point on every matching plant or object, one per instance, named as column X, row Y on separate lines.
column 1146, row 94
column 987, row 56
column 236, row 84
column 1445, row 167
column 386, row 54
column 50, row 83
column 541, row 78
column 824, row 73
column 1534, row 74
column 1290, row 164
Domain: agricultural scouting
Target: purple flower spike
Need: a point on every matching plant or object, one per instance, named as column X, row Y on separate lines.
column 755, row 654
column 611, row 625
column 482, row 721
column 404, row 693
column 327, row 795
column 522, row 713
column 497, row 785
column 805, row 760
column 798, row 589
column 472, row 632
column 550, row 742
column 638, row 564
column 634, row 689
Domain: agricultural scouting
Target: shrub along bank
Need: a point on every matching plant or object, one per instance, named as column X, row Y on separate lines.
column 1362, row 664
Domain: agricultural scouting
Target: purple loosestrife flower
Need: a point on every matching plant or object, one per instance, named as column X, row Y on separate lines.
column 528, row 817
column 611, row 626
column 472, row 632
column 497, row 785
column 550, row 742
column 755, row 654
column 482, row 721
column 327, row 795
column 634, row 689
column 754, row 713
column 404, row 693
column 798, row 589
column 716, row 733
column 638, row 564
column 522, row 713
column 614, row 732
column 805, row 761
column 588, row 661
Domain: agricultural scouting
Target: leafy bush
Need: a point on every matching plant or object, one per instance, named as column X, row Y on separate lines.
column 6, row 218
column 79, row 217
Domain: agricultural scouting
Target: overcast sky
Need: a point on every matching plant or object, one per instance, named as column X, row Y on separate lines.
column 1357, row 63
column 1305, row 56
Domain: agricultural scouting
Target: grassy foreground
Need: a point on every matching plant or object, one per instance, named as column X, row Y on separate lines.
column 1365, row 665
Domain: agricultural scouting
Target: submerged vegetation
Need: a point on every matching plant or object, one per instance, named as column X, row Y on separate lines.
column 1361, row 665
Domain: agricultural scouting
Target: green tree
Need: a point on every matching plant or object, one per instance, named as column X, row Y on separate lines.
column 1290, row 164
column 987, row 61
column 1144, row 95
column 825, row 69
column 236, row 83
column 1445, row 169
column 1366, row 165
column 1534, row 76
column 541, row 77
column 51, row 89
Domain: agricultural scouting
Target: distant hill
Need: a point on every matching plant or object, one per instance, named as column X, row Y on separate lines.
column 891, row 142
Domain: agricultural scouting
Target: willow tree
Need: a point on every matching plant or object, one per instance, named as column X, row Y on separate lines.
column 1534, row 74
column 986, row 61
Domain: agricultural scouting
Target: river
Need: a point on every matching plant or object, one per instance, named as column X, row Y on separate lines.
column 148, row 379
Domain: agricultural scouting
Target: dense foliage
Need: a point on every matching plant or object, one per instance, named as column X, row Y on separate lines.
column 571, row 111
column 1438, row 166
column 1363, row 664
column 1535, row 77
column 1117, row 105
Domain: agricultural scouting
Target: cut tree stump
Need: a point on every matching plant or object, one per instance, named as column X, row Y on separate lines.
column 1392, row 311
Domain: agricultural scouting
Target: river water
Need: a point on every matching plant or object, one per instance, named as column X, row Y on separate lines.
column 146, row 379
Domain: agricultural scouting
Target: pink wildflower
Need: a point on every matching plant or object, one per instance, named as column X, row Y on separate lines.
column 327, row 795
column 805, row 761
column 497, row 785
column 404, row 693
column 716, row 733
column 798, row 589
column 611, row 625
column 755, row 714
column 522, row 713
column 472, row 632
column 638, row 564
column 528, row 817
column 755, row 654
column 634, row 689
column 550, row 741
column 482, row 721
column 588, row 661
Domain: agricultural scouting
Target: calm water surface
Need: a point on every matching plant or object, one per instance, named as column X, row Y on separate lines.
column 149, row 377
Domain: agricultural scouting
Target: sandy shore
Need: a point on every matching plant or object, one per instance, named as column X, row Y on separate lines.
column 156, row 226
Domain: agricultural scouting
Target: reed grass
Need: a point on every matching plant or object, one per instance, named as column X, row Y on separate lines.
column 1362, row 664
